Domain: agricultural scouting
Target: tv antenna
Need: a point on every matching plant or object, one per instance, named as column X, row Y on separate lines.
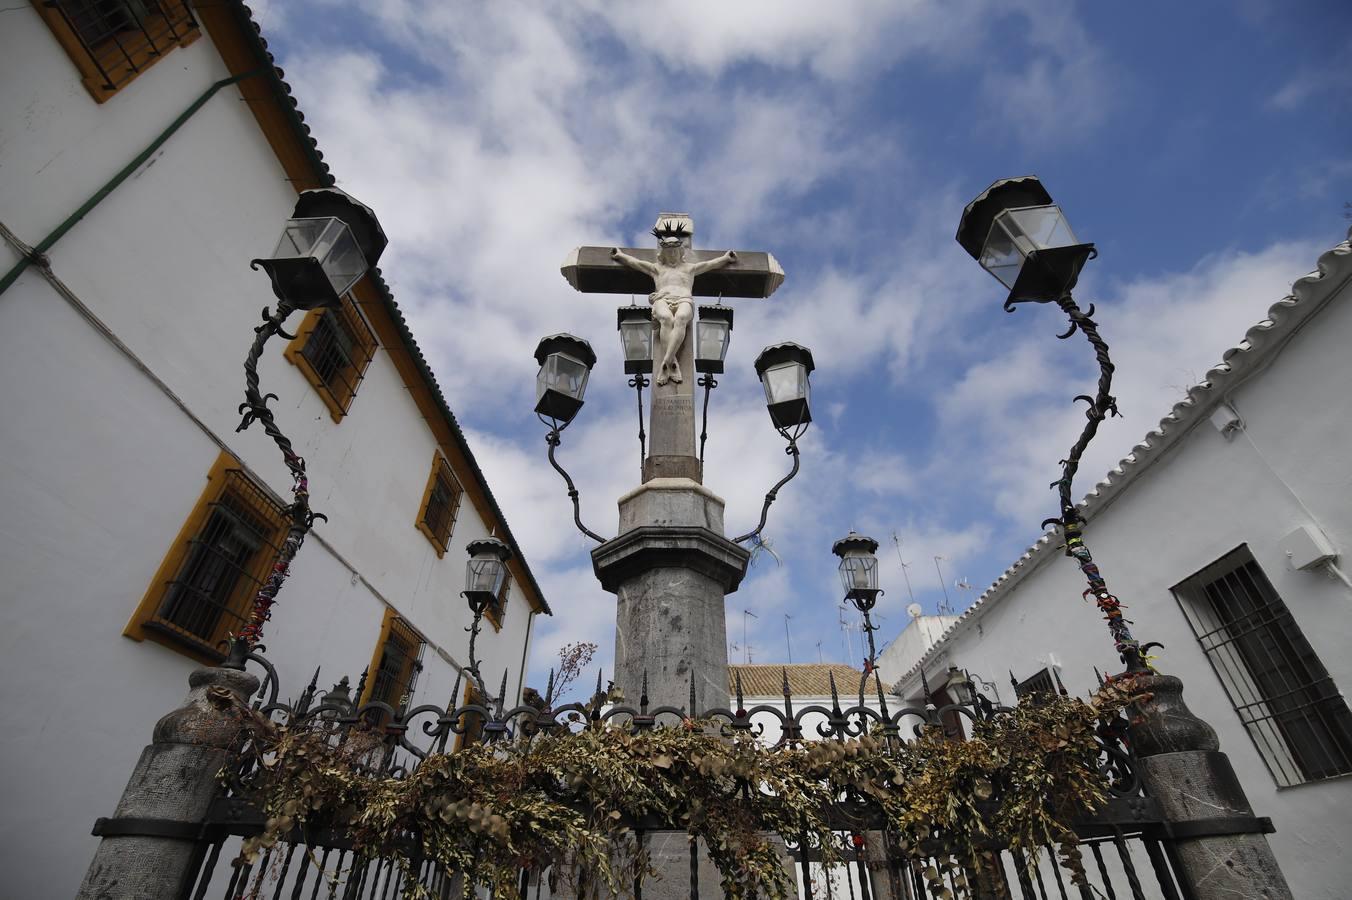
column 745, row 646
column 819, row 652
column 788, row 644
column 904, row 567
column 915, row 610
column 947, row 608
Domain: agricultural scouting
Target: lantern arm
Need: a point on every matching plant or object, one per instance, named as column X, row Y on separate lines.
column 553, row 440
column 791, row 450
column 255, row 409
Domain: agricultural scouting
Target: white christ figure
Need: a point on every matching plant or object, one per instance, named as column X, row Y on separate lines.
column 673, row 308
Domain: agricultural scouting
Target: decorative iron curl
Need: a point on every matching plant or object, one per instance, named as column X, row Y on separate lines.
column 791, row 450
column 255, row 409
column 553, row 440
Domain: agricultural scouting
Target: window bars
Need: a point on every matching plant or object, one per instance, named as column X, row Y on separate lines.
column 1041, row 683
column 224, row 565
column 396, row 673
column 443, row 502
column 337, row 351
column 1289, row 705
column 113, row 41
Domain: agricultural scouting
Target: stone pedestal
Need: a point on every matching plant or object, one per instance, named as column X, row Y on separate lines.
column 1220, row 846
column 670, row 569
column 671, row 442
column 150, row 846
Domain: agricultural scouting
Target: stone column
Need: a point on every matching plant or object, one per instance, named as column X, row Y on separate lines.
column 671, row 447
column 1221, row 850
column 150, row 846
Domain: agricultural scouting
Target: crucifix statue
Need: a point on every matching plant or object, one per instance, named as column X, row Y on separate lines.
column 672, row 275
column 672, row 301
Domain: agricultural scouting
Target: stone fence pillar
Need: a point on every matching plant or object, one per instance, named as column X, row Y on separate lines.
column 151, row 845
column 1220, row 846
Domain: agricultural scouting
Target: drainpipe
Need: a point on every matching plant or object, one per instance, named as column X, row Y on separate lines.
column 525, row 651
column 38, row 253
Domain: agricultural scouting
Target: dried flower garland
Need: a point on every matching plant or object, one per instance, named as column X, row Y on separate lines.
column 568, row 799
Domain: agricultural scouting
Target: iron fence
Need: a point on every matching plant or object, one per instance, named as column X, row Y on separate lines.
column 1126, row 846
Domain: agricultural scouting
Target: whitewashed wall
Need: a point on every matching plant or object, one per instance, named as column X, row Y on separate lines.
column 1201, row 499
column 99, row 467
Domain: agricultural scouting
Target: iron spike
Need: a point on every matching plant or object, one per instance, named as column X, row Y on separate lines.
column 692, row 712
column 1060, row 688
column 924, row 683
column 882, row 698
column 361, row 686
column 502, row 694
column 643, row 696
column 549, row 691
column 835, row 700
column 740, row 701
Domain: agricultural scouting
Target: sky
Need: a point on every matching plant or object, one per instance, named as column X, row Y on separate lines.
column 1202, row 146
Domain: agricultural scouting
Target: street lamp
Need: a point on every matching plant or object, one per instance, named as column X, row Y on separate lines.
column 959, row 686
column 565, row 363
column 783, row 370
column 1015, row 231
column 1018, row 235
column 485, row 574
column 636, row 340
column 713, row 333
column 859, row 576
column 330, row 241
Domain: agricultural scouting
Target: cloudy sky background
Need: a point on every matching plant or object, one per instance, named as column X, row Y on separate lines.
column 1202, row 146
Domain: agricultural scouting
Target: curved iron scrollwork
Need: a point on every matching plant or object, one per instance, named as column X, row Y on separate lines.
column 553, row 439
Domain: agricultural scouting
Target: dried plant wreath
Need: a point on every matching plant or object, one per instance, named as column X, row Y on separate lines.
column 569, row 799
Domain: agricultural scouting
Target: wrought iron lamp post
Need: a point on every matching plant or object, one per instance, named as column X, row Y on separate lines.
column 1015, row 231
column 485, row 574
column 330, row 241
column 859, row 576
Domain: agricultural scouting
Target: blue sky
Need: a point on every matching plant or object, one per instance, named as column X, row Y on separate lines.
column 1204, row 147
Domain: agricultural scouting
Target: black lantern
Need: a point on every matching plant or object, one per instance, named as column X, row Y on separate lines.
column 1018, row 235
column 565, row 362
column 713, row 333
column 486, row 572
column 783, row 370
column 330, row 241
column 959, row 686
column 858, row 568
column 636, row 339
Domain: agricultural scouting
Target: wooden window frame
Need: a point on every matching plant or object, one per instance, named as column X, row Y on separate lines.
column 394, row 626
column 440, row 466
column 110, row 65
column 226, row 478
column 336, row 392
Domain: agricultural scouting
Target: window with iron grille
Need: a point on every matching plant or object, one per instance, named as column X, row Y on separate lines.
column 332, row 348
column 203, row 590
column 1283, row 694
column 441, row 503
column 113, row 41
column 1041, row 683
column 394, row 673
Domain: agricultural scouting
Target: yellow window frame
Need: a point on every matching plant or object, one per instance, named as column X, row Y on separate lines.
column 338, row 387
column 230, row 489
column 112, row 63
column 439, row 533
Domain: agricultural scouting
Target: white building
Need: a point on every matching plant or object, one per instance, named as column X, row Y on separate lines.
column 149, row 161
column 1223, row 534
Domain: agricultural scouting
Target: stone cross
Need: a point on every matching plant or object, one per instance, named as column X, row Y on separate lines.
column 672, row 275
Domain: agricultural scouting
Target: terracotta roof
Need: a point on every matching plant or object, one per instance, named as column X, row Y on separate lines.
column 282, row 91
column 1262, row 342
column 805, row 680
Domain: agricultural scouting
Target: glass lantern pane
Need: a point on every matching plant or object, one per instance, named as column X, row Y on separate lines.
column 298, row 237
column 343, row 262
column 484, row 574
column 1002, row 255
column 859, row 572
column 637, row 340
column 784, row 382
column 565, row 375
column 711, row 340
column 1044, row 227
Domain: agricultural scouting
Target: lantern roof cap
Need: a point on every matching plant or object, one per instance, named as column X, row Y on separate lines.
column 854, row 541
column 716, row 313
column 319, row 203
column 633, row 313
column 785, row 352
column 1007, row 193
column 489, row 545
column 565, row 343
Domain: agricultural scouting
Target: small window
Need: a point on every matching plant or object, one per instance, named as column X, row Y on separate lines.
column 332, row 348
column 1282, row 692
column 1041, row 683
column 393, row 675
column 205, row 584
column 113, row 41
column 441, row 503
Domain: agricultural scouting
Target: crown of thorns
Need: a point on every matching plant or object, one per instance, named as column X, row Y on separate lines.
column 668, row 230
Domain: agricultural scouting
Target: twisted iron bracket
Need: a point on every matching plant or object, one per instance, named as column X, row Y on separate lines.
column 255, row 409
column 638, row 383
column 791, row 450
column 1101, row 406
column 553, row 440
column 474, row 627
column 708, row 382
